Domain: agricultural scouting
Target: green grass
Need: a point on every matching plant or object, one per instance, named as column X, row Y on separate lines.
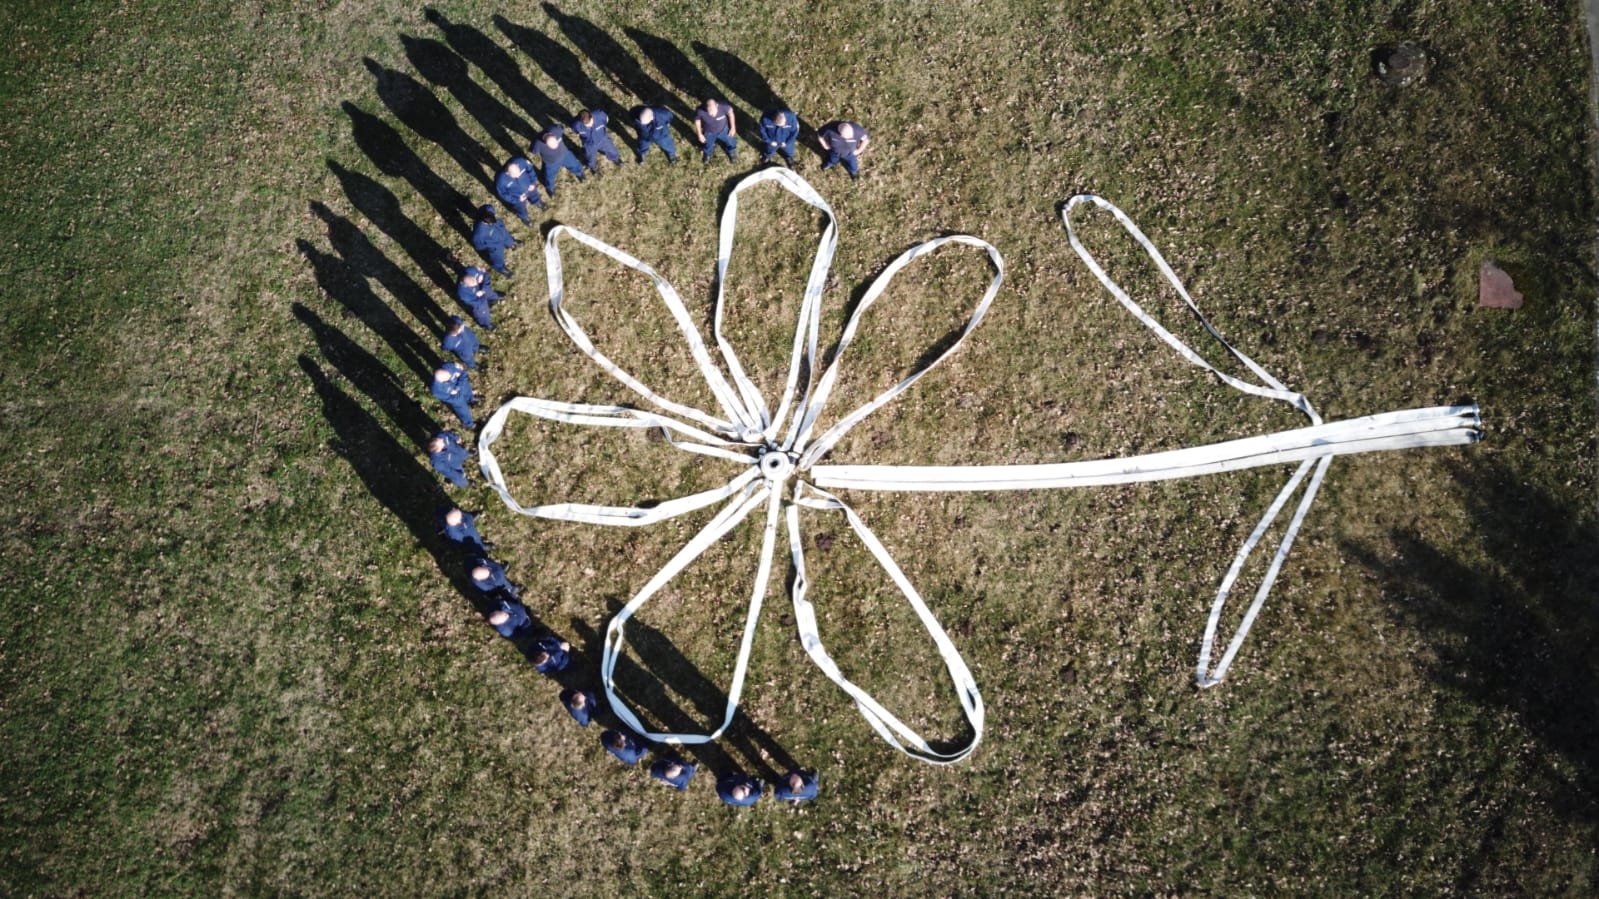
column 235, row 658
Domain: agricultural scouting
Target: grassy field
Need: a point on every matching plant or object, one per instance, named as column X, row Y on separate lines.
column 237, row 658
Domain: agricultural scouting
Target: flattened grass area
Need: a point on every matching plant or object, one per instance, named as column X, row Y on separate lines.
column 237, row 658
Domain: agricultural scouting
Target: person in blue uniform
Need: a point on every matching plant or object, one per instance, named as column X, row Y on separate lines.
column 796, row 786
column 462, row 341
column 448, row 457
column 714, row 125
column 453, row 388
column 589, row 126
column 779, row 130
column 551, row 655
column 509, row 617
column 489, row 577
column 580, row 704
column 459, row 526
column 738, row 789
column 651, row 123
column 627, row 748
column 672, row 771
column 555, row 155
column 515, row 187
column 844, row 142
column 477, row 294
column 492, row 239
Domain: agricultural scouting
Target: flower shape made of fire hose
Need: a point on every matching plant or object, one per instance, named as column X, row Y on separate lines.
column 780, row 453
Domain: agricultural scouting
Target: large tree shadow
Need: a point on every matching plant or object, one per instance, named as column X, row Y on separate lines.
column 393, row 157
column 562, row 66
column 442, row 67
column 501, row 68
column 1515, row 630
column 643, row 674
column 416, row 107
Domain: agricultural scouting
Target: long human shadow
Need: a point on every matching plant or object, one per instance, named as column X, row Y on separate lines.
column 562, row 66
column 615, row 60
column 393, row 157
column 364, row 258
column 391, row 473
column 741, row 78
column 370, row 376
column 418, row 109
column 348, row 286
column 688, row 79
column 443, row 68
column 501, row 68
column 1516, row 629
column 382, row 208
column 644, row 688
column 751, row 87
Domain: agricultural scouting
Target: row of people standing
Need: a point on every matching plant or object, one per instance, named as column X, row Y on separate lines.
column 551, row 655
column 715, row 126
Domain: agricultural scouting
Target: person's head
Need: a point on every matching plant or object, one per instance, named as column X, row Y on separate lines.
column 740, row 791
column 795, row 782
column 552, row 141
column 481, row 572
column 586, row 117
column 781, row 119
column 499, row 617
column 541, row 657
column 514, row 168
column 846, row 131
column 471, row 277
column 712, row 107
column 485, row 213
column 452, row 517
column 580, row 700
column 436, row 445
column 456, row 326
column 672, row 769
column 615, row 740
column 441, row 375
column 647, row 116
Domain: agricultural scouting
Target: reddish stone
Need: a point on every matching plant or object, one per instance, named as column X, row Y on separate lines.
column 1498, row 291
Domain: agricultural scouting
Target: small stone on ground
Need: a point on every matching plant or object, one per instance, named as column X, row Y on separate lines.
column 1498, row 291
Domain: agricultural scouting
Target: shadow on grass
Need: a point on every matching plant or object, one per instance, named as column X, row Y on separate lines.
column 645, row 689
column 741, row 78
column 382, row 208
column 369, row 376
column 366, row 260
column 562, row 66
column 1516, row 629
column 393, row 157
column 501, row 68
column 753, row 89
column 611, row 57
column 443, row 68
column 418, row 109
column 390, row 472
column 347, row 285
